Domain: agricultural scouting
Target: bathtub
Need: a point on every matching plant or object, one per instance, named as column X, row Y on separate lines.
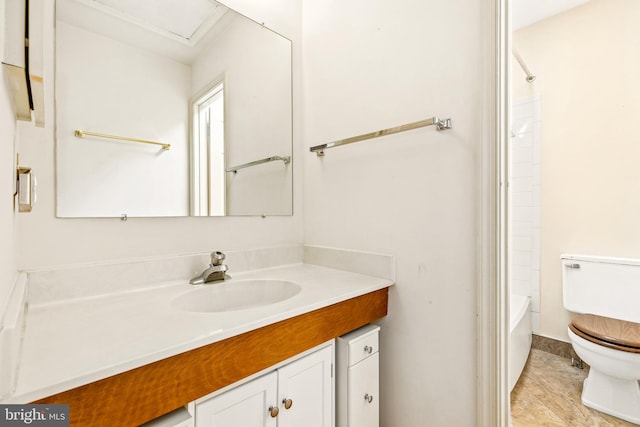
column 519, row 336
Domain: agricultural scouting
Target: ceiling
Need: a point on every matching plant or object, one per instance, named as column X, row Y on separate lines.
column 178, row 29
column 527, row 12
column 173, row 17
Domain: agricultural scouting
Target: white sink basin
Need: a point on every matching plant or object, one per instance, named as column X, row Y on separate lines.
column 235, row 295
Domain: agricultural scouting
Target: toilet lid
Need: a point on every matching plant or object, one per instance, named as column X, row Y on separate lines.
column 614, row 333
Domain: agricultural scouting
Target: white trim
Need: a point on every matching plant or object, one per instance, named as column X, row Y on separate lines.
column 504, row 111
column 493, row 306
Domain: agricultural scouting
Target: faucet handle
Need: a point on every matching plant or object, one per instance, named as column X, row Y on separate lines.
column 217, row 257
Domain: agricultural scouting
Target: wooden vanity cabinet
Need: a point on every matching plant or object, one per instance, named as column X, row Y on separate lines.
column 150, row 391
column 248, row 405
column 300, row 393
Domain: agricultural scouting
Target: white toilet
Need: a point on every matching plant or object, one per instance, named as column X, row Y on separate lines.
column 606, row 332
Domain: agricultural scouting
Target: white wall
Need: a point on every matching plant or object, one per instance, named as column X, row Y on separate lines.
column 7, row 184
column 47, row 241
column 587, row 62
column 96, row 91
column 376, row 64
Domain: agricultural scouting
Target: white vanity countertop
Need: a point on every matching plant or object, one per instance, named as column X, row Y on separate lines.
column 69, row 344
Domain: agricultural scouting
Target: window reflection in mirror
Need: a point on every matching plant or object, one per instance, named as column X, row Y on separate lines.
column 208, row 170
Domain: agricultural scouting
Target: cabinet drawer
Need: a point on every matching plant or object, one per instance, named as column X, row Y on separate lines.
column 362, row 348
column 360, row 343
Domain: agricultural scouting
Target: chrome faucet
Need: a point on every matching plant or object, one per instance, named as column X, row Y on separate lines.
column 216, row 271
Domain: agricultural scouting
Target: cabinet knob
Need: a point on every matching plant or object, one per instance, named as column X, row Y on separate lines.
column 368, row 398
column 288, row 403
column 368, row 349
column 273, row 411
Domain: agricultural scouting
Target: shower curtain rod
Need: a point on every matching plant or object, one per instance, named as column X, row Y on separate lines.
column 530, row 76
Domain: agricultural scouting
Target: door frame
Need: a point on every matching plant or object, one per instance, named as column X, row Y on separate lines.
column 493, row 301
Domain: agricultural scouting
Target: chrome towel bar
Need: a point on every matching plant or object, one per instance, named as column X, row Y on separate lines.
column 285, row 159
column 433, row 121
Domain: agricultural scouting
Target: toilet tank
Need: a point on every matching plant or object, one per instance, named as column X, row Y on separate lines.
column 602, row 285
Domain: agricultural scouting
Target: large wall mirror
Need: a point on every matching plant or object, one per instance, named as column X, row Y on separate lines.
column 170, row 108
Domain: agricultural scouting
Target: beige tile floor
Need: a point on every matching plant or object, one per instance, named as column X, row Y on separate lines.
column 548, row 394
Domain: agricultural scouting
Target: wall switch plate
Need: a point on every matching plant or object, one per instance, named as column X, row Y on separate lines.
column 25, row 184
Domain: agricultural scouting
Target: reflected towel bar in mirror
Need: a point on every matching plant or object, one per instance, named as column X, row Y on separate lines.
column 433, row 121
column 83, row 133
column 285, row 159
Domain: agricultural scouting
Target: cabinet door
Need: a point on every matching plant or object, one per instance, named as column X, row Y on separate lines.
column 307, row 385
column 363, row 393
column 246, row 405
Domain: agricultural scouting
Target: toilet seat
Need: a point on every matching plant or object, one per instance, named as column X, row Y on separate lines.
column 613, row 333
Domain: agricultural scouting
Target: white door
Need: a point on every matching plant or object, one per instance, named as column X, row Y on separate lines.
column 248, row 405
column 305, row 387
column 363, row 393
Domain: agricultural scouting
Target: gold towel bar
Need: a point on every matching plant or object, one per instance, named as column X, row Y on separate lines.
column 83, row 133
